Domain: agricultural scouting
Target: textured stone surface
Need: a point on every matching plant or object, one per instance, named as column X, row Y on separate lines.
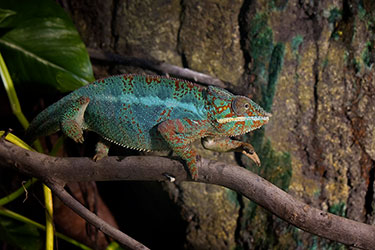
column 148, row 28
column 93, row 19
column 211, row 212
column 209, row 39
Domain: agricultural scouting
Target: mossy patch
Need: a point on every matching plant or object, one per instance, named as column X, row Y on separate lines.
column 338, row 209
column 296, row 43
column 334, row 15
column 368, row 55
column 267, row 58
column 267, row 61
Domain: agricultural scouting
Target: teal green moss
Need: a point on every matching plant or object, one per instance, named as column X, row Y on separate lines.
column 368, row 55
column 261, row 45
column 266, row 64
column 335, row 15
column 296, row 43
column 338, row 209
column 275, row 66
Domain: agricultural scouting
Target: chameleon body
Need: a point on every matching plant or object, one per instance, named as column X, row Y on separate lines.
column 153, row 113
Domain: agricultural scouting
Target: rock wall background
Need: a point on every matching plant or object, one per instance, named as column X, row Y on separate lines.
column 310, row 63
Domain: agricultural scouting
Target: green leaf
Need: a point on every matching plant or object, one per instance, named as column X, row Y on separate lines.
column 114, row 246
column 41, row 45
column 20, row 235
column 4, row 14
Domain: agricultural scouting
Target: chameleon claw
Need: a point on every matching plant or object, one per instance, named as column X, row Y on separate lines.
column 102, row 148
column 99, row 156
column 80, row 139
column 170, row 177
column 95, row 158
column 253, row 156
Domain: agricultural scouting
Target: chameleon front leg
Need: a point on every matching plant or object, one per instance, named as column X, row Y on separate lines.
column 225, row 144
column 72, row 121
column 179, row 134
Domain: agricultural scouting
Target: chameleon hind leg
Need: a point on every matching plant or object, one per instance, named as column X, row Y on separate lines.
column 72, row 121
column 101, row 149
column 179, row 134
column 225, row 144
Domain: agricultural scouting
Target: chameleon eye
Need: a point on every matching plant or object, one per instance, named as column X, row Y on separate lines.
column 240, row 105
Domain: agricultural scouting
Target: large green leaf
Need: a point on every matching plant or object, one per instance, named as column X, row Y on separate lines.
column 41, row 45
column 20, row 235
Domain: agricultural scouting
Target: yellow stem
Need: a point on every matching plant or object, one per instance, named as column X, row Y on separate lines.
column 17, row 111
column 16, row 216
column 49, row 217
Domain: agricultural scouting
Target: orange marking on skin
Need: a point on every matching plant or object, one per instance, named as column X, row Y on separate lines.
column 190, row 86
column 131, row 81
column 177, row 85
column 257, row 124
column 189, row 121
column 180, row 127
column 157, row 79
column 240, row 125
column 148, row 79
column 169, row 113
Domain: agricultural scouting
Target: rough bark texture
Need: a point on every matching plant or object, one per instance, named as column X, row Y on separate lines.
column 55, row 171
column 308, row 62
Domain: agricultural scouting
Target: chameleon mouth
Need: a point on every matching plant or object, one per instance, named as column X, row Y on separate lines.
column 243, row 118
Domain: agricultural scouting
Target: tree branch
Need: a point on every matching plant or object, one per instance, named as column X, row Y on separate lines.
column 155, row 65
column 93, row 219
column 151, row 168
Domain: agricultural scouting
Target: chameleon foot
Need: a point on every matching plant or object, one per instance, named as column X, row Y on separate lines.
column 193, row 167
column 72, row 120
column 72, row 129
column 102, row 149
column 248, row 150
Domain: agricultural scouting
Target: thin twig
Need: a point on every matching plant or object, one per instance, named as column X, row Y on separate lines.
column 93, row 219
column 264, row 193
column 155, row 65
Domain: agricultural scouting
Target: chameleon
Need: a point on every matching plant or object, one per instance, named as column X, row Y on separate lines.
column 154, row 113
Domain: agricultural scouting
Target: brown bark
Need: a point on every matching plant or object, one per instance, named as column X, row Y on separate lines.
column 58, row 171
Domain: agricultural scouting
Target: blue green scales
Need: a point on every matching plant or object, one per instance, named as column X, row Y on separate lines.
column 153, row 113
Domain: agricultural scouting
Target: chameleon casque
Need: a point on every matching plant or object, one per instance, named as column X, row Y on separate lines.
column 153, row 113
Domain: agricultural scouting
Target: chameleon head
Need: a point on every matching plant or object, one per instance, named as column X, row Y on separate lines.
column 234, row 115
